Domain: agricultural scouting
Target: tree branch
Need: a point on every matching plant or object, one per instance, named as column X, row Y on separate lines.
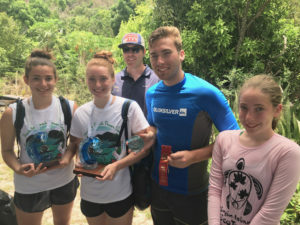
column 242, row 32
column 246, row 26
column 258, row 14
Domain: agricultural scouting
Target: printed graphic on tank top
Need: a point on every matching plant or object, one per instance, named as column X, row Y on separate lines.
column 100, row 146
column 45, row 138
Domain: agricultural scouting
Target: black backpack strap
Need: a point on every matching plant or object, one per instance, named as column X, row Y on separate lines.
column 125, row 108
column 19, row 122
column 67, row 112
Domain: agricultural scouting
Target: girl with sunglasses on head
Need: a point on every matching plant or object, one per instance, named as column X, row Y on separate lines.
column 254, row 171
column 43, row 138
column 107, row 198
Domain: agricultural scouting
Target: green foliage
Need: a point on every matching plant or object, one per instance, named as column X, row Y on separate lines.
column 172, row 12
column 4, row 62
column 121, row 12
column 87, row 17
column 39, row 10
column 62, row 4
column 46, row 34
column 288, row 125
column 251, row 36
column 14, row 47
column 295, row 13
column 72, row 53
column 73, row 36
column 100, row 23
column 4, row 5
column 74, row 87
column 21, row 12
column 232, row 82
column 291, row 215
column 287, row 63
column 75, row 49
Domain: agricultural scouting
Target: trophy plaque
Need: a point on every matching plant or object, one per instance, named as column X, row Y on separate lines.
column 96, row 172
column 48, row 164
column 89, row 149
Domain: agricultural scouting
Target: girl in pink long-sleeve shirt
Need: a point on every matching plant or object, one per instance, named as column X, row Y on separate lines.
column 254, row 172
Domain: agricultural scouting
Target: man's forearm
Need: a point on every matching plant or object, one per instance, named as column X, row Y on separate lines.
column 202, row 154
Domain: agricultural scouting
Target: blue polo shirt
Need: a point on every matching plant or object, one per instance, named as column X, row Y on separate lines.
column 127, row 87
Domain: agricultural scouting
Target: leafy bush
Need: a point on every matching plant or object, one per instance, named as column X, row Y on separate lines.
column 14, row 46
column 291, row 215
column 288, row 125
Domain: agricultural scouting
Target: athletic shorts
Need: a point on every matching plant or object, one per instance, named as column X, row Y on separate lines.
column 169, row 208
column 113, row 209
column 41, row 201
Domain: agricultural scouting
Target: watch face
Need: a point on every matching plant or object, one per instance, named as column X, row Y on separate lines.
column 45, row 146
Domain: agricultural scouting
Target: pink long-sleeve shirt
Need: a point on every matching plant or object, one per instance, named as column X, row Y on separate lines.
column 251, row 185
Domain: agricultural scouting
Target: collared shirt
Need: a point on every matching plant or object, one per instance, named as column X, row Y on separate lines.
column 127, row 87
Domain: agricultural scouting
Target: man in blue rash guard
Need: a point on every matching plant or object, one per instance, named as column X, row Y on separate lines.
column 182, row 108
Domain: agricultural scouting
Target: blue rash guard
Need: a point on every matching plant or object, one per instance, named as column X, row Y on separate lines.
column 183, row 115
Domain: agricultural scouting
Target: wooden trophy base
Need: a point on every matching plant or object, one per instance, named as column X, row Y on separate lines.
column 90, row 172
column 48, row 164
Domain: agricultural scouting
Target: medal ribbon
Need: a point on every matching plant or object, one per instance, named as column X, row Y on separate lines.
column 166, row 150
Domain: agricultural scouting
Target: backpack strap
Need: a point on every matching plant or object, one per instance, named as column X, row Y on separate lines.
column 67, row 112
column 18, row 124
column 20, row 115
column 125, row 108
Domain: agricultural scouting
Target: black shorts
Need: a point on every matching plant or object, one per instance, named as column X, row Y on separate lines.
column 114, row 209
column 41, row 201
column 169, row 208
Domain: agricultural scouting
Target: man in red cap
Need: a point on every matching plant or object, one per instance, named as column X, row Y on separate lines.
column 133, row 81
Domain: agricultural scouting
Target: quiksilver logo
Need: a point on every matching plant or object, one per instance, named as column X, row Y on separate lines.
column 180, row 112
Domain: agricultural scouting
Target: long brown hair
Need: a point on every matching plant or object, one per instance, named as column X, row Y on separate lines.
column 39, row 57
column 267, row 85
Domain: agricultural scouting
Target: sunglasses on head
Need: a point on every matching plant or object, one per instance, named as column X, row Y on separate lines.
column 134, row 49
